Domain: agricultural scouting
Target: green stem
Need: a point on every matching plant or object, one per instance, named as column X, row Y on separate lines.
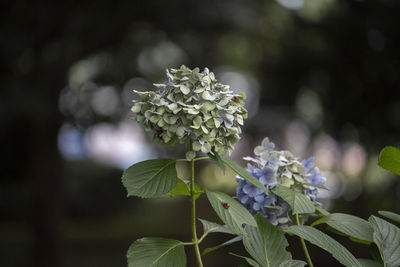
column 202, row 237
column 200, row 158
column 303, row 244
column 196, row 159
column 198, row 242
column 193, row 200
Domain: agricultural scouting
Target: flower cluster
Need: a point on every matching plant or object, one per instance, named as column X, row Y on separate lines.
column 192, row 105
column 271, row 168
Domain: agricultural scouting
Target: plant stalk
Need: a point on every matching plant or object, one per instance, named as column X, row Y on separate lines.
column 193, row 201
column 303, row 244
column 196, row 159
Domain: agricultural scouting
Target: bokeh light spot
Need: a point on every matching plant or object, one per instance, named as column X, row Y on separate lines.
column 354, row 159
column 105, row 101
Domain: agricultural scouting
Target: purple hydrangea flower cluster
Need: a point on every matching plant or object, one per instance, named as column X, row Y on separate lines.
column 271, row 168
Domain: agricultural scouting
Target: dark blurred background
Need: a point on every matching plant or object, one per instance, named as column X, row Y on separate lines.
column 322, row 79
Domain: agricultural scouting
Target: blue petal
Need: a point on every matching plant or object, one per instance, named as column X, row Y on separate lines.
column 241, row 182
column 259, row 198
column 238, row 179
column 250, row 168
column 243, row 199
column 256, row 206
column 239, row 190
column 315, row 177
column 271, row 217
column 308, row 163
column 270, row 200
column 252, row 191
column 268, row 178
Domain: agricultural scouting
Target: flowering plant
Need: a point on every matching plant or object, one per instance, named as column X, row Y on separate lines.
column 275, row 194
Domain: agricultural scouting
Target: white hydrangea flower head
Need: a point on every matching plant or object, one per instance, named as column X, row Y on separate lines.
column 192, row 106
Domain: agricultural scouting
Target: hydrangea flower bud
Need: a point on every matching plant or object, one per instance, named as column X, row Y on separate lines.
column 192, row 105
column 272, row 167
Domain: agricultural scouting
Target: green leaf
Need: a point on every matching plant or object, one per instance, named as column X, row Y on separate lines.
column 387, row 238
column 370, row 263
column 150, row 178
column 325, row 242
column 298, row 202
column 183, row 188
column 348, row 224
column 374, row 251
column 243, row 173
column 321, row 212
column 231, row 212
column 216, row 159
column 389, row 159
column 250, row 261
column 292, row 263
column 265, row 243
column 156, row 252
column 390, row 215
column 197, row 191
column 212, row 227
column 231, row 241
column 333, row 230
column 316, row 185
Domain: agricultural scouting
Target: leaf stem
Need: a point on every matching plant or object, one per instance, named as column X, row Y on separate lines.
column 193, row 201
column 192, row 243
column 200, row 158
column 303, row 244
column 202, row 237
column 196, row 159
column 187, row 243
